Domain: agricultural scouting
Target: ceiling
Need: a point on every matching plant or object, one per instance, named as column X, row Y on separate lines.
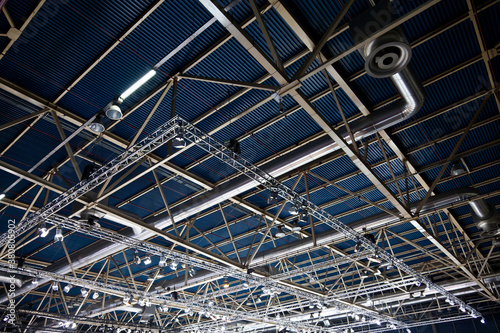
column 283, row 78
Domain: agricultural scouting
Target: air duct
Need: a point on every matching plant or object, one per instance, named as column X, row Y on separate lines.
column 412, row 98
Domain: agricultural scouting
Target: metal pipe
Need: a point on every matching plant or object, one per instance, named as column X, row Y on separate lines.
column 7, row 279
column 412, row 98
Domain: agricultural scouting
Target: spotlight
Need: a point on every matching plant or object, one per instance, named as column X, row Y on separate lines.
column 2, row 195
column 42, row 230
column 137, row 259
column 294, row 210
column 97, row 125
column 55, row 286
column 482, row 320
column 67, row 288
column 462, row 308
column 457, row 169
column 127, row 298
column 163, row 261
column 34, row 282
column 59, row 235
column 273, row 196
column 375, row 258
column 114, row 112
column 225, row 284
column 418, row 283
column 364, row 274
column 303, row 215
column 174, row 264
column 357, row 248
column 295, row 226
column 95, row 295
column 84, row 292
column 390, row 266
column 142, row 301
column 147, row 260
column 246, row 284
column 233, row 145
column 175, row 295
column 258, row 300
column 178, row 142
column 191, row 272
column 280, row 233
column 408, row 330
column 281, row 108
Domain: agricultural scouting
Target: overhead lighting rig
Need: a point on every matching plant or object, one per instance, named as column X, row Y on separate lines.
column 167, row 132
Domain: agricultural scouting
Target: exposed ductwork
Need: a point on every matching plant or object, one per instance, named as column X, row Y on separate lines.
column 7, row 279
column 412, row 99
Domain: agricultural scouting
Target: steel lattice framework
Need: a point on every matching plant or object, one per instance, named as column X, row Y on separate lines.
column 217, row 149
column 179, row 126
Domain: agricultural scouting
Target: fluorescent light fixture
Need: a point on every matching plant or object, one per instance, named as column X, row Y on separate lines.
column 138, row 84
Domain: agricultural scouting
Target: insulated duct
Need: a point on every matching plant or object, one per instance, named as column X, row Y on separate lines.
column 412, row 99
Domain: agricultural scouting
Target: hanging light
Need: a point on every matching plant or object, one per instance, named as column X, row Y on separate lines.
column 97, row 125
column 137, row 259
column 281, row 108
column 55, row 286
column 225, row 283
column 357, row 248
column 127, row 298
column 457, row 169
column 84, row 292
column 273, row 196
column 147, row 260
column 294, row 210
column 174, row 264
column 280, row 233
column 67, row 288
column 179, row 142
column 114, row 112
column 95, row 295
column 42, row 230
column 303, row 215
column 163, row 261
column 59, row 235
column 295, row 226
column 375, row 258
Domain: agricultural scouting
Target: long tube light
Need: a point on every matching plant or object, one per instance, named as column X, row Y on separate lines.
column 138, row 84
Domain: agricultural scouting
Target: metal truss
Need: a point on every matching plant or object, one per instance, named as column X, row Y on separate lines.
column 251, row 279
column 210, row 309
column 337, row 261
column 162, row 135
column 387, row 285
column 217, row 149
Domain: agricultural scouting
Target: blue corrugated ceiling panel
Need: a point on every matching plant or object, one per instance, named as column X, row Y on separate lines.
column 286, row 42
column 432, row 18
column 449, row 49
column 72, row 26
